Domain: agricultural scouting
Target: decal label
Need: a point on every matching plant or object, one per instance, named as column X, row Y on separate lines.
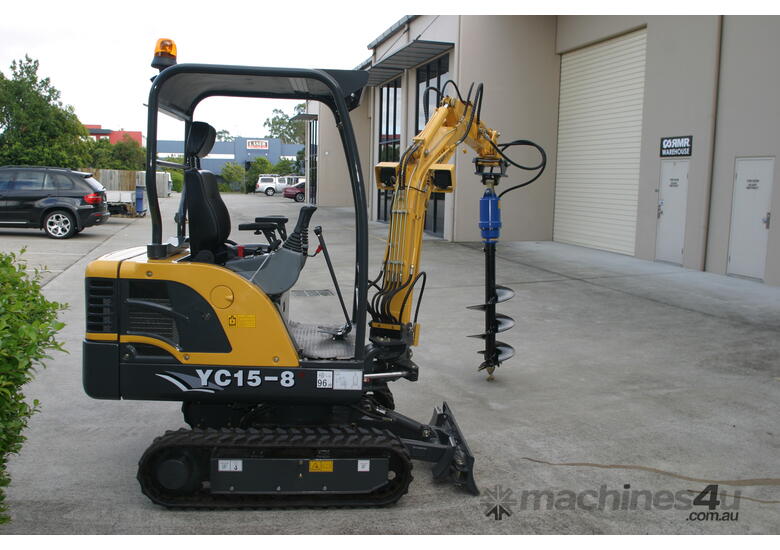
column 321, row 466
column 364, row 466
column 230, row 465
column 340, row 379
column 242, row 321
column 325, row 379
column 347, row 379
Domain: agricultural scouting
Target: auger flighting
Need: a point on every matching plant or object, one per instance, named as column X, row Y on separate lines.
column 491, row 171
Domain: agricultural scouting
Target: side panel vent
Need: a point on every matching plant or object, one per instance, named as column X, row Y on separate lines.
column 142, row 320
column 101, row 305
column 149, row 311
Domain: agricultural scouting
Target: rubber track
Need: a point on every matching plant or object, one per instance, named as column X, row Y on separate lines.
column 204, row 443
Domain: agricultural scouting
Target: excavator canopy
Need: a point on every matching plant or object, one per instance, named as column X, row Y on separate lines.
column 183, row 86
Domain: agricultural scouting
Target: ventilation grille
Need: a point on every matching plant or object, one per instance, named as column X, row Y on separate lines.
column 142, row 320
column 101, row 305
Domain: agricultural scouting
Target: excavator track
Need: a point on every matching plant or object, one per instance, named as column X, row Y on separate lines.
column 311, row 467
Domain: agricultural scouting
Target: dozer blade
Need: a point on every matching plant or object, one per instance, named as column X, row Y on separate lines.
column 503, row 322
column 457, row 464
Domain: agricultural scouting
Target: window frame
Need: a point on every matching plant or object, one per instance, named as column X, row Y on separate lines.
column 392, row 145
column 434, row 224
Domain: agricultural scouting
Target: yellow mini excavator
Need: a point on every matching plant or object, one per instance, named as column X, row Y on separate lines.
column 281, row 414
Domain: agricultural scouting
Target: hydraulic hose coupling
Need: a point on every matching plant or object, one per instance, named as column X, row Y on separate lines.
column 489, row 216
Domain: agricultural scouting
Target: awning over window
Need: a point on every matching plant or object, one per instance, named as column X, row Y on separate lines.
column 413, row 54
column 304, row 117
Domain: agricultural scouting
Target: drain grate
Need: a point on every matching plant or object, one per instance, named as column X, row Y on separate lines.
column 312, row 292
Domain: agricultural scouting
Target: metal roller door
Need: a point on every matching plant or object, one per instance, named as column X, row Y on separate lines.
column 599, row 137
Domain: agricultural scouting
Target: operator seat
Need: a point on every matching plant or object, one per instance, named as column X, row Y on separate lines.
column 274, row 272
column 209, row 226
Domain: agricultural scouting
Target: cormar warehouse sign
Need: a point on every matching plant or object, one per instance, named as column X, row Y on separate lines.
column 679, row 146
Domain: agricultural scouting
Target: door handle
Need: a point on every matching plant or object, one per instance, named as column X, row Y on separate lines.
column 766, row 221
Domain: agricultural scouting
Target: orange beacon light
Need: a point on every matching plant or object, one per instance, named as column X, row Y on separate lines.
column 164, row 54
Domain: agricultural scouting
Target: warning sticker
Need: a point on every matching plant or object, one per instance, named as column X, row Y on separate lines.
column 320, row 465
column 242, row 321
column 230, row 465
column 347, row 379
column 364, row 465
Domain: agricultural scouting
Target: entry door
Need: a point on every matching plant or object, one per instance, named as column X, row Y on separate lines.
column 672, row 202
column 6, row 179
column 25, row 192
column 750, row 216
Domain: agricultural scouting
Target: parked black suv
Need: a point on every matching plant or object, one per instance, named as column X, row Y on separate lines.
column 60, row 201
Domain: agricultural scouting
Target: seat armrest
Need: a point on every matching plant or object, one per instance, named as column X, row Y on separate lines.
column 257, row 226
column 274, row 219
column 278, row 221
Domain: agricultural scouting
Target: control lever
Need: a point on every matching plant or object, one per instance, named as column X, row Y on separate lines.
column 298, row 241
column 339, row 333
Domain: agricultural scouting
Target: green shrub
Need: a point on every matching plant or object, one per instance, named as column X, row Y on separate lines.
column 28, row 326
column 177, row 180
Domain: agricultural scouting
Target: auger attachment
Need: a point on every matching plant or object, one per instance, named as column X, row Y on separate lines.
column 495, row 352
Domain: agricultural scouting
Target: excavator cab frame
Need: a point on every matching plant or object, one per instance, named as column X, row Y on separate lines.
column 179, row 89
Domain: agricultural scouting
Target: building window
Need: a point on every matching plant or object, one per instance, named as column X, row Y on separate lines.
column 389, row 138
column 436, row 73
column 313, row 140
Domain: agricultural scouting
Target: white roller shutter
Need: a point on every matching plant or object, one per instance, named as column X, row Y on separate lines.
column 599, row 137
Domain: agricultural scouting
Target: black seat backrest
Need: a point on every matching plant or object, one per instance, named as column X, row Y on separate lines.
column 209, row 220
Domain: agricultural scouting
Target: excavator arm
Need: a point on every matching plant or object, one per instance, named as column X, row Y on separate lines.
column 422, row 170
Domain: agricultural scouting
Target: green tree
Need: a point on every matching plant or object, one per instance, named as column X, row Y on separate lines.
column 129, row 155
column 281, row 127
column 232, row 174
column 260, row 165
column 125, row 155
column 35, row 127
column 284, row 167
column 100, row 154
column 224, row 135
column 300, row 161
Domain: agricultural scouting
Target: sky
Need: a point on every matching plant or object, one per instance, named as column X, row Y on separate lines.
column 98, row 54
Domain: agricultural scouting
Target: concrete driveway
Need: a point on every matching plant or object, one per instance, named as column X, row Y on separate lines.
column 635, row 386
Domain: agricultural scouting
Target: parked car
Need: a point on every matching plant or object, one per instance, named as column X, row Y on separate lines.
column 62, row 202
column 297, row 192
column 271, row 184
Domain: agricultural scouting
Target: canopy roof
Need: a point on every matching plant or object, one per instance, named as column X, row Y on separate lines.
column 180, row 88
